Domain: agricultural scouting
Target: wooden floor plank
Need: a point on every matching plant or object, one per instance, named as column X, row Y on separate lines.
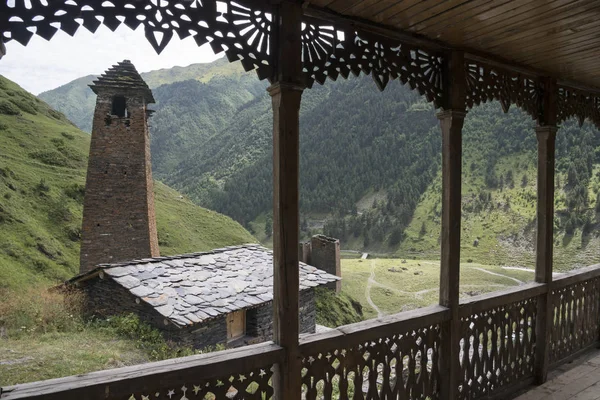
column 578, row 380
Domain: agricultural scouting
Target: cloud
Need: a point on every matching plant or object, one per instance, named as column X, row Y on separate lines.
column 43, row 65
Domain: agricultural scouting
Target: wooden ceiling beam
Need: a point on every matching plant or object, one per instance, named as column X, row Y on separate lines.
column 511, row 22
column 538, row 69
column 547, row 27
column 426, row 10
column 399, row 6
column 584, row 45
column 442, row 21
column 564, row 37
column 367, row 26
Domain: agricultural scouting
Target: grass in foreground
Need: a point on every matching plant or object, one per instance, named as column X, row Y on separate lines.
column 43, row 336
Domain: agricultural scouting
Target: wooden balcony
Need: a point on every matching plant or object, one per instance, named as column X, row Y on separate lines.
column 394, row 357
column 457, row 54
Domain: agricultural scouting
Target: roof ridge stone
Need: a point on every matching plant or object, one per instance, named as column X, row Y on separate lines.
column 178, row 256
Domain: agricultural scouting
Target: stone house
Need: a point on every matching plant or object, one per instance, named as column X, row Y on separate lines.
column 222, row 296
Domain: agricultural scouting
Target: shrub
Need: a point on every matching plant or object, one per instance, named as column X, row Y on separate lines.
column 76, row 192
column 26, row 105
column 50, row 157
column 59, row 210
column 55, row 114
column 150, row 339
column 42, row 187
column 8, row 108
column 67, row 135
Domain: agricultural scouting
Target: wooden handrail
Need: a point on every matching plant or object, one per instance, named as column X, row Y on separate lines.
column 579, row 275
column 352, row 334
column 122, row 382
column 487, row 301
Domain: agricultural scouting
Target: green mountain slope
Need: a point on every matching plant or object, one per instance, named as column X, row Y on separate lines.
column 370, row 166
column 193, row 104
column 43, row 159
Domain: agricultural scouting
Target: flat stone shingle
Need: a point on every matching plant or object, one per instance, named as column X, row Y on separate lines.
column 192, row 288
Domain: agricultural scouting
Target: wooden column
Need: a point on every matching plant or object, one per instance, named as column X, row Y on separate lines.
column 286, row 92
column 451, row 119
column 546, row 136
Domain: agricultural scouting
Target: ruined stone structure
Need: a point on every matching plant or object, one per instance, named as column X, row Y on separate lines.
column 118, row 213
column 324, row 253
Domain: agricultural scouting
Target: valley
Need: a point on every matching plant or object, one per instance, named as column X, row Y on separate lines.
column 370, row 166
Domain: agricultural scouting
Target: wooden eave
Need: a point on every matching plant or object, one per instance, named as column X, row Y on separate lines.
column 556, row 38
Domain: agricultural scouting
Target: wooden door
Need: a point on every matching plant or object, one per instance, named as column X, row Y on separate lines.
column 236, row 324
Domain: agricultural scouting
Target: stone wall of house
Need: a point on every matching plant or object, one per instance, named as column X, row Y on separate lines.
column 259, row 321
column 105, row 298
column 203, row 335
column 308, row 311
column 119, row 223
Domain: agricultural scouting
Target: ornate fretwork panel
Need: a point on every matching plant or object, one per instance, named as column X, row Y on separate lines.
column 330, row 52
column 574, row 103
column 576, row 318
column 253, row 385
column 486, row 83
column 497, row 348
column 240, row 31
column 403, row 366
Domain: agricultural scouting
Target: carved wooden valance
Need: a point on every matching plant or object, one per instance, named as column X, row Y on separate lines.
column 243, row 30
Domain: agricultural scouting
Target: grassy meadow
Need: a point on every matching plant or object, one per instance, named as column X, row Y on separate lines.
column 400, row 285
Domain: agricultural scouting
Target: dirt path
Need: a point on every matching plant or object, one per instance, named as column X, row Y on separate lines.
column 504, row 276
column 370, row 282
column 531, row 270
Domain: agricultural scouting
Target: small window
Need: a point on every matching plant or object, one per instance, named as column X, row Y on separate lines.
column 119, row 107
column 236, row 325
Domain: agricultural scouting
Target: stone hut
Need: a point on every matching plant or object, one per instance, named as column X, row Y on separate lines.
column 118, row 210
column 222, row 296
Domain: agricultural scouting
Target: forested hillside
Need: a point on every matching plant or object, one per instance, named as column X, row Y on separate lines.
column 43, row 160
column 370, row 165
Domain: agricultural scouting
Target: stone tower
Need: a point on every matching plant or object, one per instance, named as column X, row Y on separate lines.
column 119, row 223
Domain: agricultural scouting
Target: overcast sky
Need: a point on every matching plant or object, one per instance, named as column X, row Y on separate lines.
column 44, row 65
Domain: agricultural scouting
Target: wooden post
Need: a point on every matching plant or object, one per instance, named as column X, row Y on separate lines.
column 451, row 120
column 546, row 136
column 286, row 92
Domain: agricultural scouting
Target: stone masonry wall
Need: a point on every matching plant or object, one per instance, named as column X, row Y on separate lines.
column 325, row 255
column 105, row 298
column 119, row 223
column 259, row 321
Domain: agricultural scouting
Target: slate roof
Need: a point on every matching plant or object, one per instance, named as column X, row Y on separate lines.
column 192, row 288
column 123, row 76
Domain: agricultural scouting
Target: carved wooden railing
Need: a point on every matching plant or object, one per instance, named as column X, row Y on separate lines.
column 243, row 373
column 498, row 340
column 390, row 357
column 393, row 357
column 576, row 307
